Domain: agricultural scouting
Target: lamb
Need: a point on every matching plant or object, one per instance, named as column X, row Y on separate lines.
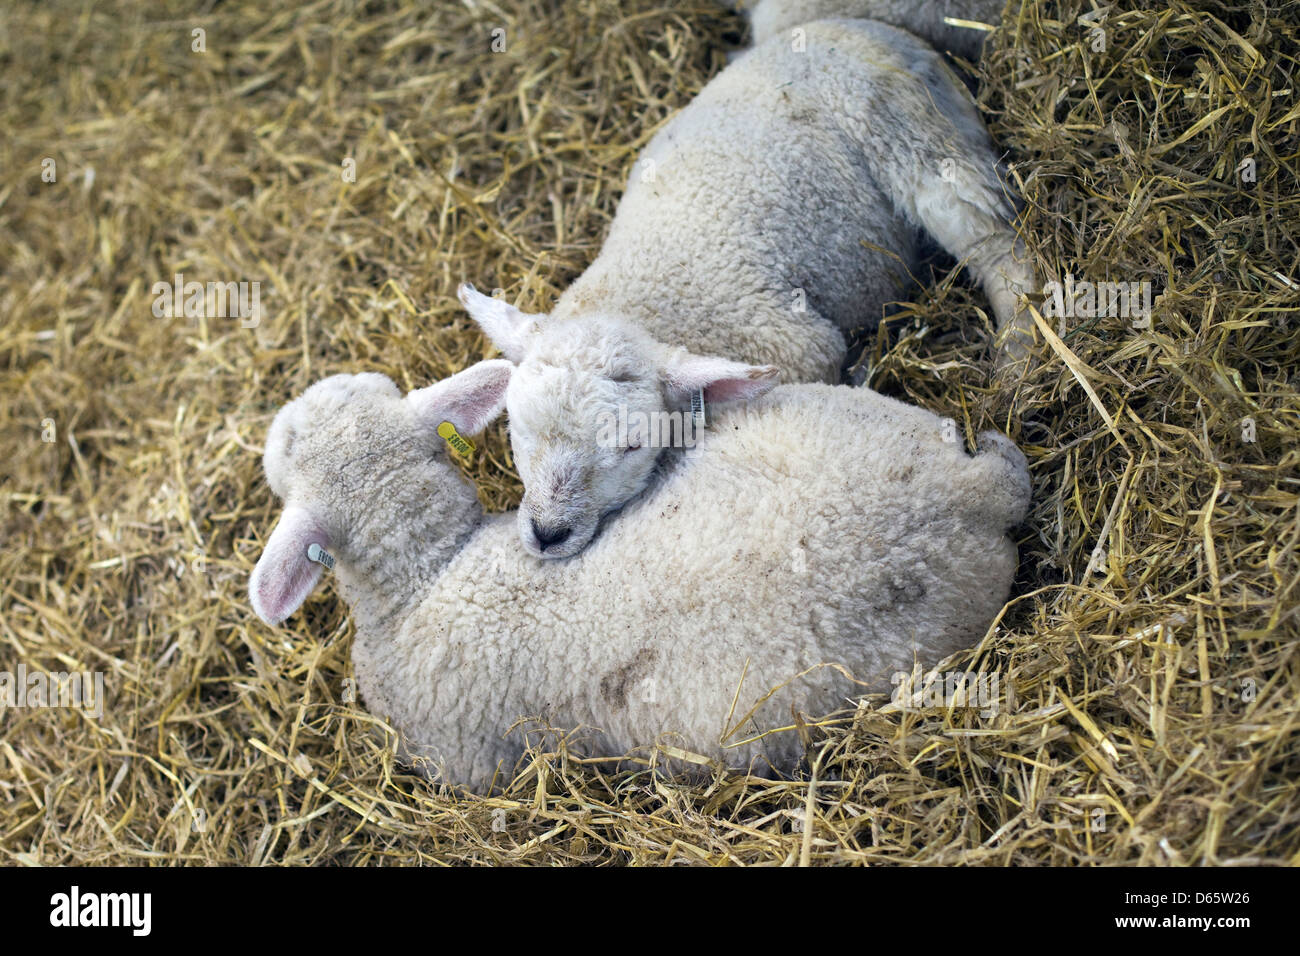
column 780, row 208
column 776, row 557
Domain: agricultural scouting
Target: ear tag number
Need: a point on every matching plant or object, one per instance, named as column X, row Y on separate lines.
column 318, row 554
column 697, row 408
column 463, row 446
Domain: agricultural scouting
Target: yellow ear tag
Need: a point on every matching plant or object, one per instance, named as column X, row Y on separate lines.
column 447, row 432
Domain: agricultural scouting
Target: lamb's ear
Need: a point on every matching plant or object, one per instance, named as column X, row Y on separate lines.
column 284, row 575
column 722, row 379
column 471, row 400
column 500, row 321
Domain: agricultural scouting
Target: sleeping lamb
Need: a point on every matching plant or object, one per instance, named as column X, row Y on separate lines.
column 783, row 206
column 779, row 557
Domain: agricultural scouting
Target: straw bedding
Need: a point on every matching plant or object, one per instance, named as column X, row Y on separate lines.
column 1148, row 676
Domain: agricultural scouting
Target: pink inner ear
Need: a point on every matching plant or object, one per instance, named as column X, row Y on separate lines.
column 284, row 576
column 280, row 592
column 733, row 389
column 722, row 379
column 470, row 399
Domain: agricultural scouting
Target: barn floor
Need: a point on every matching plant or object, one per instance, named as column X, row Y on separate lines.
column 1151, row 650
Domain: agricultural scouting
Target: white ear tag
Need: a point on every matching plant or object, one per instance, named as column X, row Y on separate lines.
column 697, row 408
column 318, row 554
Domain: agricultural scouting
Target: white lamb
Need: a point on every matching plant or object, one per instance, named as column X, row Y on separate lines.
column 783, row 206
column 778, row 550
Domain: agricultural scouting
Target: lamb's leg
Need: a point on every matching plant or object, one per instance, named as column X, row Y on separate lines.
column 934, row 158
column 965, row 209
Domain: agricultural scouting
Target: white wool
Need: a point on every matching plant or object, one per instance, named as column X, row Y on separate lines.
column 815, row 526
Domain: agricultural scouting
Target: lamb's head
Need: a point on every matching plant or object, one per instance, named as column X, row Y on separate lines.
column 351, row 445
column 593, row 403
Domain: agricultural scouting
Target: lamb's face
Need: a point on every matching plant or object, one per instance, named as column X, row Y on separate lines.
column 580, row 442
column 353, row 449
column 593, row 403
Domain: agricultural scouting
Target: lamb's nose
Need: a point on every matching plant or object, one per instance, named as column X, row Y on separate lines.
column 547, row 537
